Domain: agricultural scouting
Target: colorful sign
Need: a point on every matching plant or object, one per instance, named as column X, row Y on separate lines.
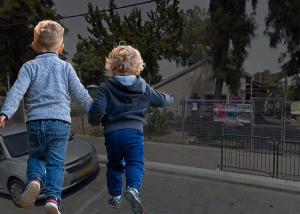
column 219, row 112
column 295, row 108
column 244, row 113
column 231, row 112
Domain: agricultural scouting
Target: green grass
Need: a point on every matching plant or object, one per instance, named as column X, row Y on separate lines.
column 271, row 120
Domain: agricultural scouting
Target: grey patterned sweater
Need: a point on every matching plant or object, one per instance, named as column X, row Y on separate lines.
column 47, row 79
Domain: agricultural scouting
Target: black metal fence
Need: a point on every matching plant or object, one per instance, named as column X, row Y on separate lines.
column 261, row 156
column 288, row 160
column 248, row 154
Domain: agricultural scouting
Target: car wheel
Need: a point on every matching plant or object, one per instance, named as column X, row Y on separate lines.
column 16, row 188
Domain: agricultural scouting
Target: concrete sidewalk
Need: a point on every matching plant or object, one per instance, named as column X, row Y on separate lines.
column 195, row 161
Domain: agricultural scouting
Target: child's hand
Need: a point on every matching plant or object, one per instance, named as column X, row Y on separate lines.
column 100, row 125
column 3, row 121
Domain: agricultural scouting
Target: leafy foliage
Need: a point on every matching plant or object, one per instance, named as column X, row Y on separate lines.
column 92, row 68
column 97, row 132
column 15, row 46
column 230, row 27
column 156, row 38
column 283, row 25
column 272, row 79
column 195, row 128
column 194, row 44
column 157, row 121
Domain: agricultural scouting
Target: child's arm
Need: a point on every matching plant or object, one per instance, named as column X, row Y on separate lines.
column 16, row 93
column 78, row 93
column 158, row 99
column 98, row 108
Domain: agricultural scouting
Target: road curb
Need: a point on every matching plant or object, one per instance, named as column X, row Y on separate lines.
column 245, row 179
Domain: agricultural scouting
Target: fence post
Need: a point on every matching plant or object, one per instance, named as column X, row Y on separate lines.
column 252, row 124
column 183, row 111
column 8, row 82
column 82, row 121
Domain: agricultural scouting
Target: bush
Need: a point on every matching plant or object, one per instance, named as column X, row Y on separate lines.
column 97, row 132
column 157, row 121
column 195, row 128
column 170, row 115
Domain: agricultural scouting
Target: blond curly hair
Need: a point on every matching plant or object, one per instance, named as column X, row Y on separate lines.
column 124, row 61
column 48, row 35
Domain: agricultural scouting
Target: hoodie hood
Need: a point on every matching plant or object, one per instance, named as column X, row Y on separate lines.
column 127, row 94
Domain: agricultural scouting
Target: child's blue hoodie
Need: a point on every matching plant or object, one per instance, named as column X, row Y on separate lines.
column 121, row 106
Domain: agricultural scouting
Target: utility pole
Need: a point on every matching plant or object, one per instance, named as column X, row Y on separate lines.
column 259, row 76
column 251, row 88
column 154, row 79
column 285, row 102
column 8, row 82
column 82, row 120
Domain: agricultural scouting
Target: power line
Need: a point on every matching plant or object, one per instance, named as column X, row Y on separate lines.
column 74, row 16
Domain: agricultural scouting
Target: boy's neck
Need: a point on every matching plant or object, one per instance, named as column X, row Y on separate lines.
column 46, row 52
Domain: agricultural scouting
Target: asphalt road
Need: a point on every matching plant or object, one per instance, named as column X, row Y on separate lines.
column 169, row 194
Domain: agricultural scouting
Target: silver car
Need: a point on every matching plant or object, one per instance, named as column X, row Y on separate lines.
column 81, row 161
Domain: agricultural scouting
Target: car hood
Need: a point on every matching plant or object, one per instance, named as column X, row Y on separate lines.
column 76, row 150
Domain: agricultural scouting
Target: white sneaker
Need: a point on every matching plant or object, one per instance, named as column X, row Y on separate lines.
column 28, row 198
column 52, row 206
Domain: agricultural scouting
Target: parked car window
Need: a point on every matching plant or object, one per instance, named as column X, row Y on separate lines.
column 16, row 144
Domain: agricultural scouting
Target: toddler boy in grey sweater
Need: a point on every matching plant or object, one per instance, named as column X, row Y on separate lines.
column 48, row 82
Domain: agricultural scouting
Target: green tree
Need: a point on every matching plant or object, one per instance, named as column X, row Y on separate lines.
column 194, row 43
column 293, row 93
column 282, row 26
column 272, row 79
column 91, row 66
column 156, row 38
column 15, row 46
column 230, row 28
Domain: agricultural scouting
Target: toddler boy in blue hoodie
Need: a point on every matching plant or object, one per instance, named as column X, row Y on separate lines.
column 48, row 82
column 120, row 107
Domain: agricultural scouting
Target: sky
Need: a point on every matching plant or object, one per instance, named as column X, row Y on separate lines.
column 261, row 56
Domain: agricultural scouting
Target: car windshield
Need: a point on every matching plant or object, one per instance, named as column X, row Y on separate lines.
column 16, row 144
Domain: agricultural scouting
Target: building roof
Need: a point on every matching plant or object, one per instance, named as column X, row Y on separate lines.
column 263, row 85
column 181, row 73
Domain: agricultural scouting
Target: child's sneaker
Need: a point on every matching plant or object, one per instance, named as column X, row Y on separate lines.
column 133, row 198
column 114, row 202
column 32, row 191
column 52, row 206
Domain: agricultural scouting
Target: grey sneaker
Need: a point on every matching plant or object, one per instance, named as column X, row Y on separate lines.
column 114, row 202
column 134, row 199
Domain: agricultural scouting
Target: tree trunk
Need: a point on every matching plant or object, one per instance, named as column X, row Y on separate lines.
column 218, row 89
column 222, row 65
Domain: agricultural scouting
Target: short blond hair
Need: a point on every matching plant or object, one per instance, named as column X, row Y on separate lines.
column 124, row 61
column 48, row 35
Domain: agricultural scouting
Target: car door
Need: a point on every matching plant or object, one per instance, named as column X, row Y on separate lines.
column 2, row 172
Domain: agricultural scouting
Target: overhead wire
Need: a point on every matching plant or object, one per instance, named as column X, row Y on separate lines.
column 74, row 16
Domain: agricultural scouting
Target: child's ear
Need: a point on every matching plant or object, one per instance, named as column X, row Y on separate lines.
column 61, row 48
column 33, row 46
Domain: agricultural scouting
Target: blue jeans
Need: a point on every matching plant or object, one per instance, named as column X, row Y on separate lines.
column 125, row 153
column 47, row 146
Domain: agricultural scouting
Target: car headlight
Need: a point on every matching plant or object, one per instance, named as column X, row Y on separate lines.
column 93, row 149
